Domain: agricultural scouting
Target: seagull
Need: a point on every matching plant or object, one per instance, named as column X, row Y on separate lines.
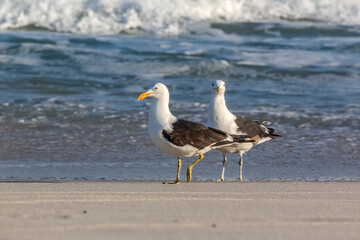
column 180, row 137
column 221, row 118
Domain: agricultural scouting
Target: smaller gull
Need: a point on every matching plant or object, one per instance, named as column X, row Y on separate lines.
column 220, row 117
column 180, row 137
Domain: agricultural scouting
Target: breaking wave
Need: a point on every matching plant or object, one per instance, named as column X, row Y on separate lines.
column 166, row 17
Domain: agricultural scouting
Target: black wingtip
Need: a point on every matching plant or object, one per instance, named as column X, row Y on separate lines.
column 272, row 134
column 271, row 130
column 275, row 136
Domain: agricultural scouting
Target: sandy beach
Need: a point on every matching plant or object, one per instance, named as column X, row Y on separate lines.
column 197, row 210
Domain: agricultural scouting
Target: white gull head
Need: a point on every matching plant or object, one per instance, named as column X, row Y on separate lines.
column 218, row 87
column 158, row 91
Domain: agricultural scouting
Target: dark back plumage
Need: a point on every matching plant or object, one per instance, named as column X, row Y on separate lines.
column 254, row 129
column 195, row 134
column 250, row 127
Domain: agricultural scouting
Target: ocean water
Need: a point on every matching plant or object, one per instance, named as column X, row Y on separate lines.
column 71, row 71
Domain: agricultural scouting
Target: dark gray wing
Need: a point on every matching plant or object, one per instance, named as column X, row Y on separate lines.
column 250, row 127
column 199, row 136
column 254, row 129
column 195, row 134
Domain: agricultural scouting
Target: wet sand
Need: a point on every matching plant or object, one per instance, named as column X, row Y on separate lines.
column 197, row 210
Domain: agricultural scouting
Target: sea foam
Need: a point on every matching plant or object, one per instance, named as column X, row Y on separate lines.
column 166, row 17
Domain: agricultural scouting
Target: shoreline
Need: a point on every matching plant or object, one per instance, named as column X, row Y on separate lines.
column 161, row 181
column 204, row 210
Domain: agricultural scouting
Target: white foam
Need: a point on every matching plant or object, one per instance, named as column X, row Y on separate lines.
column 166, row 17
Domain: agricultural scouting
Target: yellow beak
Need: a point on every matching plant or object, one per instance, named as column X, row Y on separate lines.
column 218, row 89
column 144, row 95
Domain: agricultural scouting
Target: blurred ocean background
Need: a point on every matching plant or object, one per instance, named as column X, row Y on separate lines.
column 71, row 71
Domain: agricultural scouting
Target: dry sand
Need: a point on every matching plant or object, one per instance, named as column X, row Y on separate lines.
column 197, row 210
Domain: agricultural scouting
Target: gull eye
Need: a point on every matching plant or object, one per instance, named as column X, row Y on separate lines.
column 155, row 88
column 212, row 84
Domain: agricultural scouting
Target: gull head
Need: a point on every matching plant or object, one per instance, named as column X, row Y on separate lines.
column 218, row 87
column 157, row 91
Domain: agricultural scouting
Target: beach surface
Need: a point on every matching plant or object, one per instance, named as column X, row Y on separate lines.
column 197, row 210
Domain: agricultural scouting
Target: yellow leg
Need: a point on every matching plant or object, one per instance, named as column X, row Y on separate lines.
column 177, row 181
column 189, row 169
